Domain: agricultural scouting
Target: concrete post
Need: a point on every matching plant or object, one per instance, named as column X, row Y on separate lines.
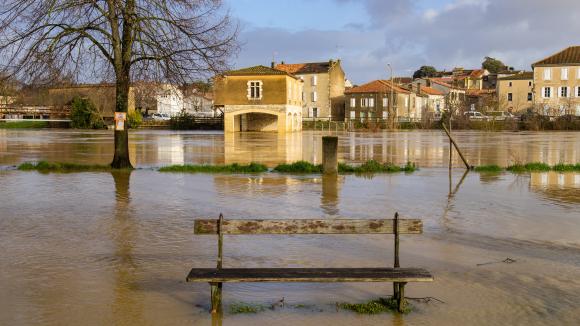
column 330, row 154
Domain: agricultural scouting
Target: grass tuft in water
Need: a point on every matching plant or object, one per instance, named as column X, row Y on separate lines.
column 373, row 166
column 562, row 167
column 529, row 167
column 488, row 168
column 24, row 125
column 44, row 166
column 381, row 305
column 206, row 168
column 246, row 308
column 299, row 167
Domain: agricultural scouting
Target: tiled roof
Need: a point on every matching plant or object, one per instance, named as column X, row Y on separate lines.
column 479, row 92
column 430, row 91
column 403, row 80
column 442, row 81
column 304, row 68
column 570, row 55
column 521, row 76
column 256, row 70
column 477, row 73
column 377, row 86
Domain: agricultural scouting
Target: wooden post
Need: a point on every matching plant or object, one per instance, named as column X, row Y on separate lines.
column 450, row 146
column 396, row 293
column 216, row 287
column 401, row 298
column 330, row 154
column 456, row 147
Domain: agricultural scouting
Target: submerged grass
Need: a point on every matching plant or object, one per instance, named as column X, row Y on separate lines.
column 44, row 166
column 367, row 167
column 24, row 125
column 246, row 308
column 206, row 168
column 299, row 167
column 381, row 305
column 561, row 167
column 529, row 167
column 488, row 168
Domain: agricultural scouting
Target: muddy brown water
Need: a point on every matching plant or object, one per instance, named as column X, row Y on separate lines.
column 114, row 248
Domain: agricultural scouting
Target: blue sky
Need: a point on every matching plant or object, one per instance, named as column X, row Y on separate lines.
column 368, row 34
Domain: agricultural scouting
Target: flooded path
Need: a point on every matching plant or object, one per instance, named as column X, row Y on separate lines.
column 114, row 248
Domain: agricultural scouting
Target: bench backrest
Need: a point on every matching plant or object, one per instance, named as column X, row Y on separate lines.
column 304, row 226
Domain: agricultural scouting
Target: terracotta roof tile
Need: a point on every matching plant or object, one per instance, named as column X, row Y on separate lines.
column 377, row 86
column 430, row 91
column 570, row 55
column 521, row 76
column 256, row 70
column 304, row 68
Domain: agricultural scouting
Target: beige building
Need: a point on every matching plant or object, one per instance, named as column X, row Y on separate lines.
column 371, row 102
column 516, row 92
column 324, row 84
column 259, row 99
column 557, row 83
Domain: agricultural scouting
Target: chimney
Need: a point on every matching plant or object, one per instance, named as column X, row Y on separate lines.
column 428, row 82
column 273, row 64
column 281, row 62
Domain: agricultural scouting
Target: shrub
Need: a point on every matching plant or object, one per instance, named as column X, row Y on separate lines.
column 85, row 115
column 205, row 168
column 299, row 167
column 134, row 119
column 182, row 121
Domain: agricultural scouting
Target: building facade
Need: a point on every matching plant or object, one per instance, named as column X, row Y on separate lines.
column 323, row 88
column 372, row 102
column 516, row 92
column 556, row 85
column 259, row 99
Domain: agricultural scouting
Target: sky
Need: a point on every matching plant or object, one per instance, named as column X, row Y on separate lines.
column 368, row 34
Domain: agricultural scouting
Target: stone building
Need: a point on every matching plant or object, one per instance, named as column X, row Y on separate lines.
column 516, row 92
column 371, row 102
column 557, row 83
column 324, row 85
column 259, row 99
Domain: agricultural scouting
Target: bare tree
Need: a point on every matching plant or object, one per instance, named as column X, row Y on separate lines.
column 122, row 40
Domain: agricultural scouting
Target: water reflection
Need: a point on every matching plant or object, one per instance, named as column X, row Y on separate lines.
column 562, row 187
column 127, row 302
column 329, row 198
column 160, row 147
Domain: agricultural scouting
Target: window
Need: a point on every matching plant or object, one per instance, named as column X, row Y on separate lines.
column 406, row 102
column 371, row 102
column 352, row 102
column 362, row 116
column 564, row 91
column 364, row 102
column 578, row 91
column 578, row 110
column 254, row 90
column 315, row 112
column 314, row 80
column 314, row 96
column 578, row 73
column 385, row 114
column 370, row 115
column 547, row 92
column 530, row 83
column 510, row 84
column 547, row 73
column 564, row 74
column 352, row 114
column 385, row 102
column 510, row 97
column 530, row 95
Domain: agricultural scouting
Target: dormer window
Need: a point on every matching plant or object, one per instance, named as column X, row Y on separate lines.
column 255, row 90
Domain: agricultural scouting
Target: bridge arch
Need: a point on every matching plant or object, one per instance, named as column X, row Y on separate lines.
column 280, row 118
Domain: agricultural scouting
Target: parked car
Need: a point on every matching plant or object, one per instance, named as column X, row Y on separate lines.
column 475, row 115
column 500, row 115
column 160, row 116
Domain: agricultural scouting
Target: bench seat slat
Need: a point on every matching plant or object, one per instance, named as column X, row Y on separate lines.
column 309, row 275
column 308, row 226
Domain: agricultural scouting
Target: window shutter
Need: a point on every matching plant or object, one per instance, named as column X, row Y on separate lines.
column 559, row 92
column 314, row 80
column 314, row 97
column 371, row 102
column 249, row 90
column 564, row 74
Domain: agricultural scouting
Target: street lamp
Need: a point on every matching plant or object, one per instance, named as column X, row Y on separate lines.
column 391, row 99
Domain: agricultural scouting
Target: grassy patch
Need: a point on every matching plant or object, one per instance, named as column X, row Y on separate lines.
column 373, row 307
column 44, row 166
column 376, row 167
column 299, row 167
column 24, row 125
column 561, row 167
column 246, row 308
column 529, row 167
column 205, row 168
column 488, row 168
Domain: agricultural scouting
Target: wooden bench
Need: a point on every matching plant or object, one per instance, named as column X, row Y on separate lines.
column 399, row 276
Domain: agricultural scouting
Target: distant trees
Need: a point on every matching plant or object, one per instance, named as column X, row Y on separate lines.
column 493, row 65
column 425, row 71
column 122, row 40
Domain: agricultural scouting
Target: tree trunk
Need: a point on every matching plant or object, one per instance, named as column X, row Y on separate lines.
column 121, row 159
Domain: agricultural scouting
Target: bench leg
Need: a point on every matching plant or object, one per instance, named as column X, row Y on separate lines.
column 216, row 297
column 401, row 297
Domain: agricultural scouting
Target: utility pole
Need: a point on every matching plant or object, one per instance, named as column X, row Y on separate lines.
column 392, row 114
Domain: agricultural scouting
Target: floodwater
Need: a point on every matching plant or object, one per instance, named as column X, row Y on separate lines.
column 114, row 248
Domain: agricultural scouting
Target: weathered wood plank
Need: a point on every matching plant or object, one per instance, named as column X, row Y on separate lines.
column 234, row 275
column 308, row 226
